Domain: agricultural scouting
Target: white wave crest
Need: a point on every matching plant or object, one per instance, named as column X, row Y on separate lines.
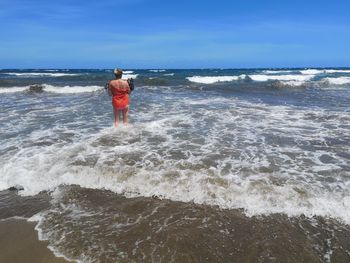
column 281, row 77
column 337, row 81
column 312, row 71
column 277, row 71
column 130, row 76
column 71, row 89
column 213, row 79
column 40, row 74
column 337, row 71
column 323, row 71
column 291, row 80
column 157, row 70
column 128, row 72
column 13, row 89
column 54, row 89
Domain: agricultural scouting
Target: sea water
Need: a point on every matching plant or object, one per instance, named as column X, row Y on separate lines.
column 208, row 153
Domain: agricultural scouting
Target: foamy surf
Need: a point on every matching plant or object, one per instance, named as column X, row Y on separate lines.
column 71, row 89
column 157, row 70
column 40, row 74
column 276, row 160
column 323, row 71
column 298, row 78
column 54, row 89
column 213, row 79
column 292, row 79
column 92, row 163
column 337, row 81
column 277, row 71
column 13, row 89
column 128, row 76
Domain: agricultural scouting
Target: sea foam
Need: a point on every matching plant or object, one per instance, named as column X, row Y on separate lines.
column 261, row 77
column 71, row 89
column 157, row 70
column 323, row 71
column 337, row 81
column 162, row 158
column 213, row 79
column 54, row 89
column 13, row 89
column 41, row 74
column 128, row 76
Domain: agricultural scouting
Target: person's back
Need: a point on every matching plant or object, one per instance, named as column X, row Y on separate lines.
column 119, row 90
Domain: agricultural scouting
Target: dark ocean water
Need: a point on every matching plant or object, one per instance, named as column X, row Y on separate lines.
column 215, row 165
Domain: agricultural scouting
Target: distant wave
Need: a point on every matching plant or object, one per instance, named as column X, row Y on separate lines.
column 128, row 76
column 323, row 71
column 54, row 89
column 71, row 89
column 276, row 71
column 311, row 71
column 157, row 70
column 40, row 74
column 293, row 80
column 290, row 80
column 13, row 89
column 169, row 74
column 261, row 77
column 337, row 81
column 337, row 71
column 213, row 79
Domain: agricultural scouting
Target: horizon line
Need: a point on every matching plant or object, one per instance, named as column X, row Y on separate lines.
column 194, row 68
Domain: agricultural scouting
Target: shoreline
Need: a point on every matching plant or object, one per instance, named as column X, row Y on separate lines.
column 19, row 242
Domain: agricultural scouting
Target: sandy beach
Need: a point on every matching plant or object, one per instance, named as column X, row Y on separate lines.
column 19, row 243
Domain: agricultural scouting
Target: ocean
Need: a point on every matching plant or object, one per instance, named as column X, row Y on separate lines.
column 216, row 165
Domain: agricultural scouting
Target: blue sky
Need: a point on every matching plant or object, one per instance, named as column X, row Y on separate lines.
column 174, row 34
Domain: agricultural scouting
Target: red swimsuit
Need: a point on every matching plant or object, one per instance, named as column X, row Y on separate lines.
column 120, row 99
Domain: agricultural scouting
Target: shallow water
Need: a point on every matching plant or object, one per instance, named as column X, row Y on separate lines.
column 198, row 174
column 91, row 225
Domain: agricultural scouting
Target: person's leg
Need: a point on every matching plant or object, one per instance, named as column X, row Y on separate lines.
column 126, row 115
column 116, row 116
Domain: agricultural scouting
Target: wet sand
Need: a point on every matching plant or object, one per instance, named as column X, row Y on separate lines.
column 19, row 243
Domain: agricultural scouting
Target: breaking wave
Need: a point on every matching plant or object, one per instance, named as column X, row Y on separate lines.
column 128, row 76
column 40, row 74
column 13, row 89
column 213, row 79
column 157, row 70
column 337, row 81
column 293, row 80
column 323, row 71
column 53, row 89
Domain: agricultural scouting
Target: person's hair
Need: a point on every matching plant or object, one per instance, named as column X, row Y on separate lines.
column 118, row 73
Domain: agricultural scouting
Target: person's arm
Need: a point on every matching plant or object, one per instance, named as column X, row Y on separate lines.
column 129, row 90
column 109, row 88
column 127, row 84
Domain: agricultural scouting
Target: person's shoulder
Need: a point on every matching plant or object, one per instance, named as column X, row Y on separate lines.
column 118, row 80
column 124, row 82
column 114, row 82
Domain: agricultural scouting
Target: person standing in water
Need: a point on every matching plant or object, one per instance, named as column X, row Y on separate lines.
column 119, row 89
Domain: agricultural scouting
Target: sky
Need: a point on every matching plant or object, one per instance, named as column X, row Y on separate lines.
column 174, row 34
